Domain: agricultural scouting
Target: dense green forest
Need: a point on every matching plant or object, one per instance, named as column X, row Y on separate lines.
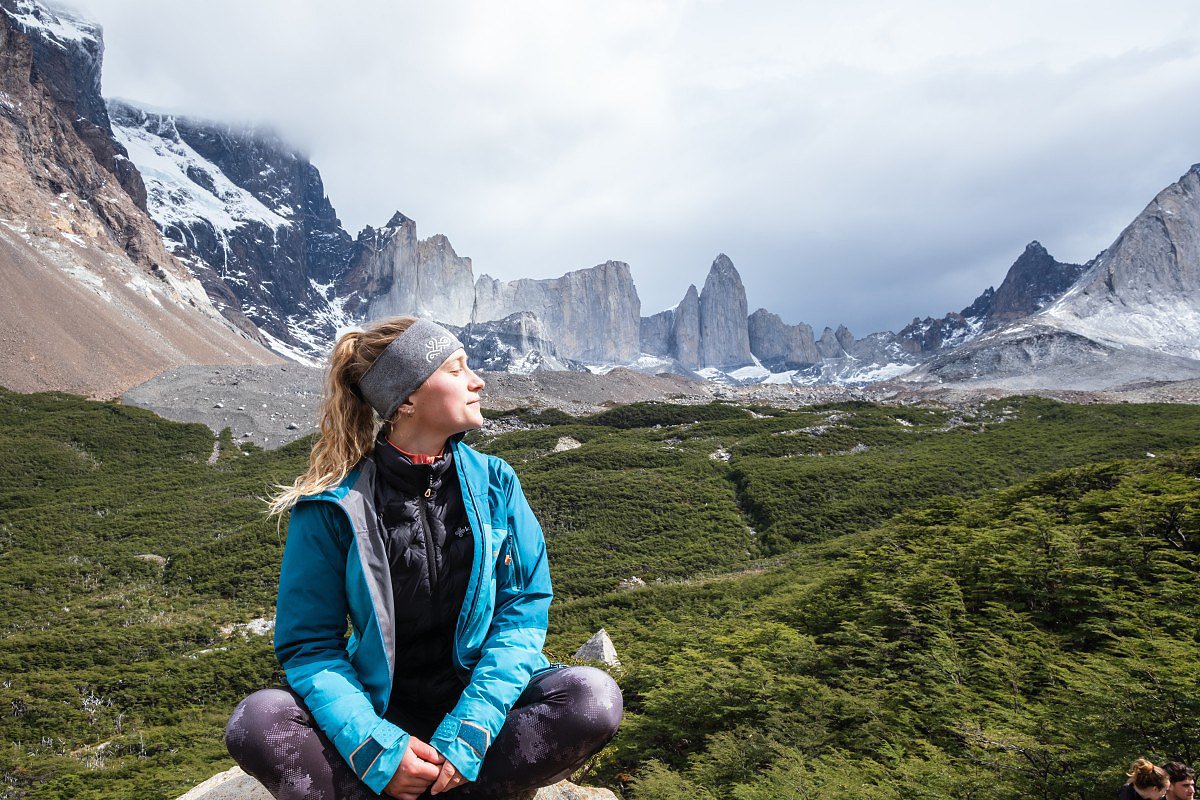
column 900, row 602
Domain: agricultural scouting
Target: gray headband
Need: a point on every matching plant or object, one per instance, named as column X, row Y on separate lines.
column 405, row 364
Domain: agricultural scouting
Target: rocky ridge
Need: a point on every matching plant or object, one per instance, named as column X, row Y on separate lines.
column 1130, row 318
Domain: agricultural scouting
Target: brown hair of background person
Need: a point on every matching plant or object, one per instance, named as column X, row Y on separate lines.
column 1183, row 781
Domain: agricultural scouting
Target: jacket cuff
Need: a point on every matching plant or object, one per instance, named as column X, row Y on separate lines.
column 377, row 759
column 464, row 743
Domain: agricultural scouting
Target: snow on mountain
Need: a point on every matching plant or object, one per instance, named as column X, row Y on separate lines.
column 56, row 25
column 183, row 187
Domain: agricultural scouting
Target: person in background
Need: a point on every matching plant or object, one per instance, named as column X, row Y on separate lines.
column 1183, row 781
column 1145, row 782
column 427, row 554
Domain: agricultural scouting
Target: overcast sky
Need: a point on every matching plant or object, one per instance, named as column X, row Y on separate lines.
column 860, row 162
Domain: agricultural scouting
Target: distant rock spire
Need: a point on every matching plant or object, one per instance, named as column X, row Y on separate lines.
column 724, row 337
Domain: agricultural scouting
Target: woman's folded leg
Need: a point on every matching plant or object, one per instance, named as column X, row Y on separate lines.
column 564, row 717
column 272, row 737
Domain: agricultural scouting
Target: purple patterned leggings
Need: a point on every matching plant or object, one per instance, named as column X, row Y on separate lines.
column 564, row 717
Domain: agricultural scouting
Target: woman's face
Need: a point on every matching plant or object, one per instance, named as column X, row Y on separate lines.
column 448, row 401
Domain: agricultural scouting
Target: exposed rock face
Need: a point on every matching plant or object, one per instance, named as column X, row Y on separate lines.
column 83, row 264
column 1037, row 356
column 397, row 273
column 656, row 332
column 67, row 60
column 518, row 343
column 724, row 339
column 781, row 347
column 706, row 329
column 1034, row 281
column 249, row 216
column 1144, row 290
column 829, row 345
column 686, row 329
column 592, row 314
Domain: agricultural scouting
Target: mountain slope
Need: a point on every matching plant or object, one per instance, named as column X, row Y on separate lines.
column 1132, row 317
column 92, row 302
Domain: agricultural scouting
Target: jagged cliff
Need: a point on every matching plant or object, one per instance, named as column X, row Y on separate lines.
column 705, row 330
column 394, row 272
column 592, row 314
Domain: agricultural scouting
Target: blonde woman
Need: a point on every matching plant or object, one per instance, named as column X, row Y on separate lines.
column 429, row 553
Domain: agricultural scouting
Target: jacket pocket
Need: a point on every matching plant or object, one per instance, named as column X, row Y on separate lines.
column 512, row 562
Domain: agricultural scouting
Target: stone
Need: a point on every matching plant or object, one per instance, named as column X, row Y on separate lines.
column 599, row 648
column 234, row 784
column 686, row 330
column 516, row 344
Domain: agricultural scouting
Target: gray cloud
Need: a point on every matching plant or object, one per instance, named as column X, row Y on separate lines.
column 859, row 163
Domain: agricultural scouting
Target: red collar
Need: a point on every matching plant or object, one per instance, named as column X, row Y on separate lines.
column 418, row 458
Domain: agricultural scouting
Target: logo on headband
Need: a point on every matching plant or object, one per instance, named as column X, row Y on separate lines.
column 435, row 346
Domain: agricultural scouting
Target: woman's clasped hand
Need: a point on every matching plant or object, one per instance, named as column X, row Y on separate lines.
column 422, row 768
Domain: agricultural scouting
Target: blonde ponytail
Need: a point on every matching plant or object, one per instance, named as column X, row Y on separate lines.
column 348, row 423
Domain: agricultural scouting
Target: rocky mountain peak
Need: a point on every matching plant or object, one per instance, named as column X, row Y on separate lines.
column 399, row 220
column 724, row 337
column 1144, row 289
column 1033, row 281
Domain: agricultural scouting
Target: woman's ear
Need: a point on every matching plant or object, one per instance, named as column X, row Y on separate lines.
column 403, row 410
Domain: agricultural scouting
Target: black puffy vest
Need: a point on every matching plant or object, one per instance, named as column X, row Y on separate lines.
column 429, row 547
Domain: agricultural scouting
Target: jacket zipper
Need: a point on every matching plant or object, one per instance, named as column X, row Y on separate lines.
column 480, row 541
column 430, row 550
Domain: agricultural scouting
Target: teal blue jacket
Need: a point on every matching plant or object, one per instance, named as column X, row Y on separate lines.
column 335, row 569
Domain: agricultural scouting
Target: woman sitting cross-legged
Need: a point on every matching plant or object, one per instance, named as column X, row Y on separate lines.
column 427, row 552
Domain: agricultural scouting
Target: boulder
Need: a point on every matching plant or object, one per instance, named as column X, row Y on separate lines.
column 234, row 784
column 599, row 648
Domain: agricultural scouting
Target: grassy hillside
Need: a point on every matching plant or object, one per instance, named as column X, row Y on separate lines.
column 927, row 603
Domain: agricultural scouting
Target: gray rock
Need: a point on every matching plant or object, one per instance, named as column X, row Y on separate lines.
column 724, row 339
column 655, row 333
column 779, row 346
column 599, row 648
column 829, row 346
column 686, row 330
column 592, row 315
column 234, row 784
column 1144, row 290
column 1031, row 357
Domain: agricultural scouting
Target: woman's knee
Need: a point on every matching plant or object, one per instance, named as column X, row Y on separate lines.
column 266, row 712
column 597, row 700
